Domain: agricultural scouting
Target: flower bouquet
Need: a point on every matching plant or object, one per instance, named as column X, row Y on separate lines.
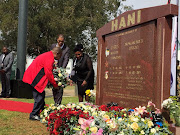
column 91, row 95
column 61, row 77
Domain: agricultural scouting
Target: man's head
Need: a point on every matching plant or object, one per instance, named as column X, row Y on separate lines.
column 60, row 40
column 4, row 50
column 57, row 52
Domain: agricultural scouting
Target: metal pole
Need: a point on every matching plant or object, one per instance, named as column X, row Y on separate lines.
column 22, row 37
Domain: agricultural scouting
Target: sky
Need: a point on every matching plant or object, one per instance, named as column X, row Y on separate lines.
column 137, row 4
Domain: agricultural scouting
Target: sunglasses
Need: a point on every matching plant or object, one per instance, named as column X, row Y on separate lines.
column 60, row 40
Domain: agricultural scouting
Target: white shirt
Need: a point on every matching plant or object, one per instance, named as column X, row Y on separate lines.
column 3, row 55
column 61, row 46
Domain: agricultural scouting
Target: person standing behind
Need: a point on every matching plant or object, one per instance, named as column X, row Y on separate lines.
column 6, row 61
column 37, row 76
column 82, row 65
column 62, row 62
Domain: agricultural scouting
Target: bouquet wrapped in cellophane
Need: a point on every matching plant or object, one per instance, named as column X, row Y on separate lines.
column 61, row 77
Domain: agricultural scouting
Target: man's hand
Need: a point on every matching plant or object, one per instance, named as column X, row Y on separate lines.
column 71, row 83
column 84, row 83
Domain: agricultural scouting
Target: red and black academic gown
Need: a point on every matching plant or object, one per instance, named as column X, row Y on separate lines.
column 40, row 71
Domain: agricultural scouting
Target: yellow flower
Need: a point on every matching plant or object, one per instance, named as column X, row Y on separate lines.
column 59, row 83
column 59, row 74
column 88, row 92
column 106, row 116
column 134, row 126
column 133, row 119
column 150, row 124
column 94, row 130
column 94, row 113
column 43, row 120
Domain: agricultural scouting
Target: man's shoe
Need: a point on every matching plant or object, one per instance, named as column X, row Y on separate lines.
column 7, row 96
column 35, row 117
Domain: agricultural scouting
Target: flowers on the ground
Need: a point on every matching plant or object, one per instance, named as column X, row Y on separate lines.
column 88, row 119
column 91, row 95
column 61, row 77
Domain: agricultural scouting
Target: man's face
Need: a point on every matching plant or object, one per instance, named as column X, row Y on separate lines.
column 4, row 50
column 57, row 56
column 60, row 41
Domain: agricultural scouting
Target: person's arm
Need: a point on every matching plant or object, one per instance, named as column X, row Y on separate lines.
column 66, row 58
column 9, row 63
column 48, row 68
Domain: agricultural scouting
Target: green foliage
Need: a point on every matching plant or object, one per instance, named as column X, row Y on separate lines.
column 48, row 18
column 175, row 110
column 173, row 105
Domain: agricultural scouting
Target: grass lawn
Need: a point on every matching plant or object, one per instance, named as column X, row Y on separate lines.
column 17, row 123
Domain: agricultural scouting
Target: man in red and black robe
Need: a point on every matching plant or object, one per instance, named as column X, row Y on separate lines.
column 37, row 75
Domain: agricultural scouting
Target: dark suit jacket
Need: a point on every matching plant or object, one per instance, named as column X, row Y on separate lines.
column 63, row 61
column 8, row 61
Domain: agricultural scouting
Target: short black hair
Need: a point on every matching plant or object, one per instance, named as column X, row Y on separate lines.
column 78, row 47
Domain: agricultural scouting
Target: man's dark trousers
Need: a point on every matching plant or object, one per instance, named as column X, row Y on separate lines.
column 38, row 102
column 57, row 94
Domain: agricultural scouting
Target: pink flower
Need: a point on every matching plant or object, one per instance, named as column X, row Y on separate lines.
column 81, row 120
column 55, row 79
column 86, row 124
column 140, row 110
column 157, row 111
column 150, row 103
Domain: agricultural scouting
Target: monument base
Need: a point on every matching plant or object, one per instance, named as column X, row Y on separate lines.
column 20, row 89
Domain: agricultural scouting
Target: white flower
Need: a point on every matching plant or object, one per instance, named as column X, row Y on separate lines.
column 142, row 132
column 54, row 107
column 142, row 119
column 93, row 123
column 61, row 106
column 73, row 105
column 153, row 130
column 58, row 108
column 120, row 119
column 166, row 103
column 59, row 83
column 94, row 114
column 102, row 113
column 124, row 110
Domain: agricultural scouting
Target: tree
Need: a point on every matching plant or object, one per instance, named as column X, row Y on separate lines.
column 78, row 20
